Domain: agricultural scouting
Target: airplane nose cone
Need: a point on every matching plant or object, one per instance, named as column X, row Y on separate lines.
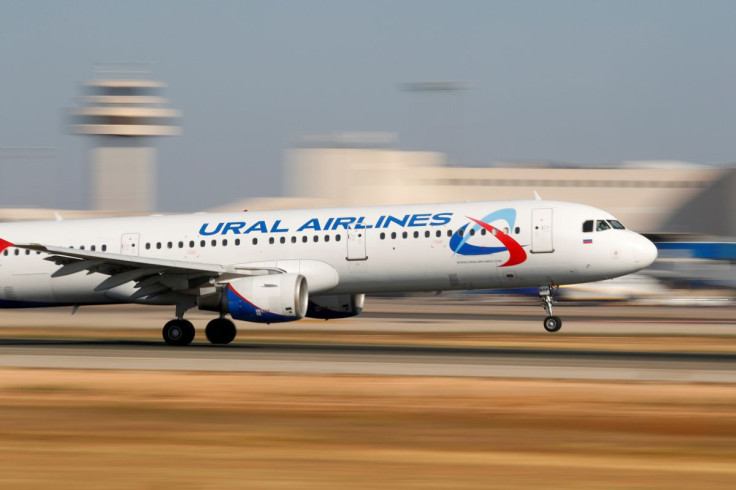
column 645, row 253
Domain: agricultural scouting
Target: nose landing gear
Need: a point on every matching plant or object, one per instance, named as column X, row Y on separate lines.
column 551, row 323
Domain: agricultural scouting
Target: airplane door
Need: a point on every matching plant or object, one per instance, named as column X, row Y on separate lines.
column 129, row 243
column 356, row 245
column 542, row 231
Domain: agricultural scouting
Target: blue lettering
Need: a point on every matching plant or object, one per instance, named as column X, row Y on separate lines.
column 312, row 224
column 380, row 221
column 392, row 219
column 203, row 230
column 419, row 219
column 275, row 228
column 329, row 223
column 440, row 219
column 344, row 222
column 259, row 226
column 234, row 227
column 360, row 226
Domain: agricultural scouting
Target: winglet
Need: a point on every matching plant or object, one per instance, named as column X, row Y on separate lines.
column 4, row 244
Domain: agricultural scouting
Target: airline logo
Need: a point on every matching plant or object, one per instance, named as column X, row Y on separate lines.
column 460, row 240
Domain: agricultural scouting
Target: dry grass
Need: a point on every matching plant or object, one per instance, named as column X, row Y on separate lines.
column 123, row 429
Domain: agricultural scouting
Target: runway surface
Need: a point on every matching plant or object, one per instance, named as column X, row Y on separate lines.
column 373, row 360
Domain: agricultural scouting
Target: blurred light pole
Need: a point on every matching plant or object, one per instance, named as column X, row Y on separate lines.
column 437, row 88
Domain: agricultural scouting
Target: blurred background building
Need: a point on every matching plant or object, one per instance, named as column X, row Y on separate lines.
column 122, row 110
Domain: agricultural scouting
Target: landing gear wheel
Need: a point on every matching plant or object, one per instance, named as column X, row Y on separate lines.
column 220, row 331
column 552, row 323
column 178, row 332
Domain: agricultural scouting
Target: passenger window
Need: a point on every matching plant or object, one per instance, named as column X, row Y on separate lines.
column 255, row 241
column 602, row 225
column 191, row 243
column 104, row 248
column 393, row 235
column 588, row 226
column 337, row 238
column 327, row 238
column 304, row 239
column 416, row 234
column 293, row 239
column 315, row 239
column 426, row 234
column 237, row 242
column 181, row 244
column 404, row 234
column 213, row 243
column 439, row 233
column 148, row 246
column 224, row 243
column 282, row 239
column 383, row 236
column 270, row 240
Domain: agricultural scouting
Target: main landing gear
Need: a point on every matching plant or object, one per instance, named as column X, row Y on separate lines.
column 551, row 323
column 178, row 332
column 181, row 332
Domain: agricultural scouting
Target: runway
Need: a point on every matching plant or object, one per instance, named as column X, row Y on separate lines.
column 373, row 360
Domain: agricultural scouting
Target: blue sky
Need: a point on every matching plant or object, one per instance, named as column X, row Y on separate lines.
column 569, row 81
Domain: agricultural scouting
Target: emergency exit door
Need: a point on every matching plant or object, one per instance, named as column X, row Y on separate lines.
column 542, row 231
column 356, row 245
column 129, row 243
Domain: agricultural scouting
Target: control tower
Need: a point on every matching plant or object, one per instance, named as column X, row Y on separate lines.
column 122, row 111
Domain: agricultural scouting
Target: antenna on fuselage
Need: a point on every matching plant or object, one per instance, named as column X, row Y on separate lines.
column 537, row 196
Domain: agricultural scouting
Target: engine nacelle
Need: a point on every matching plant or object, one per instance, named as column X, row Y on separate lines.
column 335, row 306
column 271, row 298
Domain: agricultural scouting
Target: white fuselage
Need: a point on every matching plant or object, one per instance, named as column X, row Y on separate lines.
column 372, row 249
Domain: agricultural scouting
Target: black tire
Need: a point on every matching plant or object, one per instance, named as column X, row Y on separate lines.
column 552, row 324
column 220, row 331
column 178, row 332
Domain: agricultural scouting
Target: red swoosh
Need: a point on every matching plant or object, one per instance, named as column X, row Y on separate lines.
column 4, row 244
column 517, row 255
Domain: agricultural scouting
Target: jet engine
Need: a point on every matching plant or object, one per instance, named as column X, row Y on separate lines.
column 271, row 298
column 335, row 306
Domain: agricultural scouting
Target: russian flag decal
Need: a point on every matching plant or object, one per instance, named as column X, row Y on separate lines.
column 587, row 240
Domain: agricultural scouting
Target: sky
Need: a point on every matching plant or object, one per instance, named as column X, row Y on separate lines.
column 586, row 81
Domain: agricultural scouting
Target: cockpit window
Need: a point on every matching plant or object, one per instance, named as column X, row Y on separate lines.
column 588, row 226
column 616, row 224
column 602, row 225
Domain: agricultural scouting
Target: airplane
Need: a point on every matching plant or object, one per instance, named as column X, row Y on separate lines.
column 281, row 266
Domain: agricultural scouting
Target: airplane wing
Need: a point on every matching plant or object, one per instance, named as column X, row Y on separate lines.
column 152, row 276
